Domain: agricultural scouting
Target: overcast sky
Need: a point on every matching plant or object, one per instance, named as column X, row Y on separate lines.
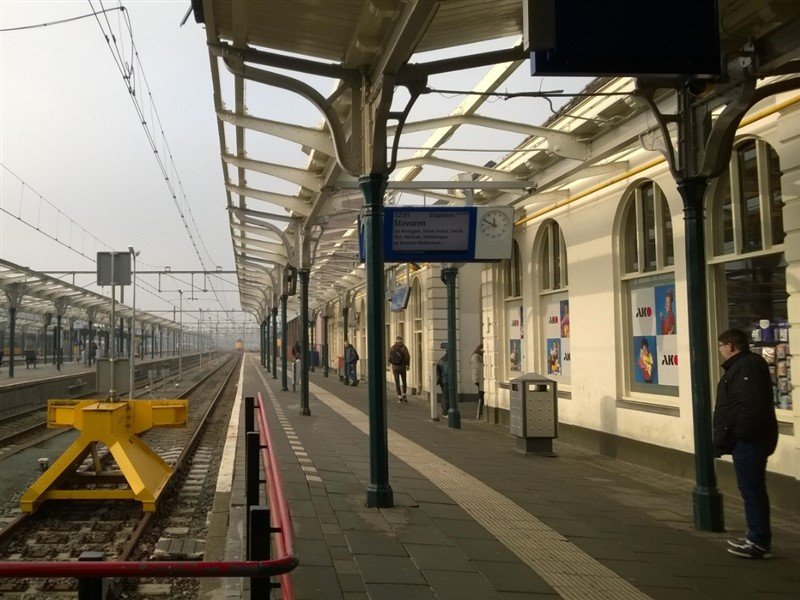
column 70, row 132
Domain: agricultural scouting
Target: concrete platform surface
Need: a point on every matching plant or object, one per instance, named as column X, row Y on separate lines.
column 472, row 518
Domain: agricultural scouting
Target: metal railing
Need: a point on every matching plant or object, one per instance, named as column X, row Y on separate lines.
column 90, row 570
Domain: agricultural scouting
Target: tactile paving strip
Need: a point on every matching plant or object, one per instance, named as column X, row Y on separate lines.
column 572, row 573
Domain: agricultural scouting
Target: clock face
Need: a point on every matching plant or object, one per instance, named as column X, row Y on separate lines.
column 494, row 224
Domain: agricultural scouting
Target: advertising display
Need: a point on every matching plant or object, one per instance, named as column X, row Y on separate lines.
column 654, row 348
column 556, row 330
column 515, row 331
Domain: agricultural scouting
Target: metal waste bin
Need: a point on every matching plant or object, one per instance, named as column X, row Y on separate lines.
column 534, row 413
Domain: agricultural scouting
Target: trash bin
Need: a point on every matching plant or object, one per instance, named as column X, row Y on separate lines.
column 534, row 413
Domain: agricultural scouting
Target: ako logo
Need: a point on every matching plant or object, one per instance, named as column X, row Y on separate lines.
column 566, row 357
column 552, row 320
column 669, row 359
column 644, row 311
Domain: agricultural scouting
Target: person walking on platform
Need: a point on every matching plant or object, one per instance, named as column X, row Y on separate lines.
column 400, row 359
column 92, row 352
column 443, row 381
column 350, row 360
column 746, row 427
column 476, row 364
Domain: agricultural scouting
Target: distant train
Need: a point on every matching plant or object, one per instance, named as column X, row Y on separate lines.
column 238, row 345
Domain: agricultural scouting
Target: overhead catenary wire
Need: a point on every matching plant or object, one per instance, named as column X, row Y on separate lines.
column 133, row 75
column 99, row 244
column 58, row 22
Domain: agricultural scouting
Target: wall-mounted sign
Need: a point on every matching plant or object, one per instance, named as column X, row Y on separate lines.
column 446, row 234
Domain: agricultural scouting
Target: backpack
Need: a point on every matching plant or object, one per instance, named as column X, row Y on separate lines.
column 395, row 357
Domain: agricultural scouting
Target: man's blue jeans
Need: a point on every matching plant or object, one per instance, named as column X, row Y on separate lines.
column 350, row 373
column 750, row 464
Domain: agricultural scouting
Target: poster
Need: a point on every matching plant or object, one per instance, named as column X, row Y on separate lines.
column 654, row 327
column 554, row 356
column 515, row 331
column 645, row 365
column 556, row 329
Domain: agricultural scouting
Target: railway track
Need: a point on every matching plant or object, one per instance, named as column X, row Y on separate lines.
column 26, row 428
column 120, row 530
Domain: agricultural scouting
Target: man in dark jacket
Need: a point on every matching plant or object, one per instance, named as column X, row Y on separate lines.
column 350, row 359
column 400, row 359
column 746, row 427
column 443, row 380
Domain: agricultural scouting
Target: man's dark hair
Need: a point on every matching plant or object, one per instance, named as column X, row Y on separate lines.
column 736, row 338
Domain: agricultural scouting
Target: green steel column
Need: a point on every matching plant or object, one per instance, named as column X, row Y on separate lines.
column 379, row 492
column 325, row 345
column 303, row 275
column 275, row 342
column 284, row 349
column 708, row 511
column 312, row 328
column 454, row 414
column 57, row 342
column 262, row 326
column 12, row 327
column 346, row 325
column 267, row 344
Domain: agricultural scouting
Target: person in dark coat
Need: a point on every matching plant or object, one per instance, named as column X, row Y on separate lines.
column 443, row 380
column 400, row 359
column 746, row 427
column 350, row 360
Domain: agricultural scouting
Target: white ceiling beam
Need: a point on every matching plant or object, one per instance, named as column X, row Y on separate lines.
column 316, row 139
column 300, row 177
column 292, row 203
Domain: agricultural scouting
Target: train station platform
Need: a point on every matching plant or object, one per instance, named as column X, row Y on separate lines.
column 475, row 519
column 42, row 370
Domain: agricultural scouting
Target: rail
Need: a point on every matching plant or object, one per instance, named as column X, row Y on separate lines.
column 91, row 572
column 280, row 517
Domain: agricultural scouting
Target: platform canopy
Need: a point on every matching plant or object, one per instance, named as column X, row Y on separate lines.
column 37, row 294
column 285, row 75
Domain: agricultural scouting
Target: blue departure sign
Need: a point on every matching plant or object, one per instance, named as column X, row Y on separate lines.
column 446, row 234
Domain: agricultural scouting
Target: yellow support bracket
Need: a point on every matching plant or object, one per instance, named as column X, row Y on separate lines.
column 115, row 424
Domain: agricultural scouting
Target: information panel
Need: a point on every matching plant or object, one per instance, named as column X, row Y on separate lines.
column 446, row 234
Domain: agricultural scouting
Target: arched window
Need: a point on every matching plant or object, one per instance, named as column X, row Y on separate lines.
column 648, row 278
column 553, row 259
column 513, row 273
column 554, row 304
column 748, row 264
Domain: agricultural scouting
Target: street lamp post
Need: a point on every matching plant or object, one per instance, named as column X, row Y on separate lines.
column 134, row 254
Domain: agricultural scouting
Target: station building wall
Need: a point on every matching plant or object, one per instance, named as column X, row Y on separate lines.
column 598, row 395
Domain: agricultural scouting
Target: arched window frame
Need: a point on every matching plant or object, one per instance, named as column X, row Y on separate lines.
column 554, row 353
column 747, row 259
column 553, row 275
column 513, row 314
column 647, row 261
column 513, row 273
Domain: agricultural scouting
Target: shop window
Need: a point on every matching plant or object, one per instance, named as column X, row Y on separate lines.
column 554, row 304
column 748, row 266
column 648, row 261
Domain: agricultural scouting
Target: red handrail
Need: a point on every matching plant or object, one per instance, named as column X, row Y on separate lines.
column 280, row 517
column 281, row 522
